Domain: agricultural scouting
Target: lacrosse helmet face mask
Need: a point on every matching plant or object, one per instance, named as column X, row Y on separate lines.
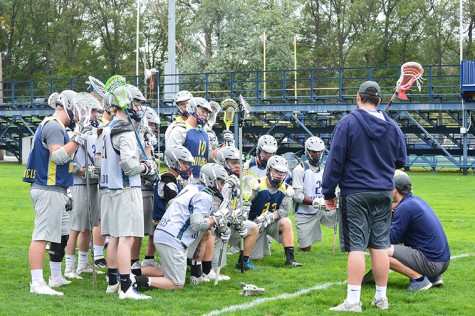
column 153, row 119
column 192, row 108
column 213, row 176
column 229, row 153
column 268, row 144
column 65, row 99
column 279, row 164
column 179, row 158
column 314, row 143
column 182, row 96
column 137, row 101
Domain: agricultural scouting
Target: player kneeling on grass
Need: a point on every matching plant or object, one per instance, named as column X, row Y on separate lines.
column 184, row 223
column 271, row 201
column 307, row 183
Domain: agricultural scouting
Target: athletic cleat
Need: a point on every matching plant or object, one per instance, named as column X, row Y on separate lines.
column 247, row 265
column 43, row 289
column 101, row 263
column 419, row 285
column 113, row 288
column 345, row 307
column 292, row 263
column 232, row 250
column 71, row 274
column 382, row 303
column 87, row 269
column 212, row 276
column 201, row 279
column 150, row 263
column 136, row 265
column 57, row 281
column 437, row 281
column 133, row 294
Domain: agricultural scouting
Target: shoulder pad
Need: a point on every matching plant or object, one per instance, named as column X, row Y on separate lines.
column 168, row 177
column 121, row 127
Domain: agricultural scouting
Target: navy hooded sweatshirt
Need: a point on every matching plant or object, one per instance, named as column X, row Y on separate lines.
column 364, row 153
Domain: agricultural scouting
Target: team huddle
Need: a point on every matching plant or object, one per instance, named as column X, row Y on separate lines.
column 93, row 166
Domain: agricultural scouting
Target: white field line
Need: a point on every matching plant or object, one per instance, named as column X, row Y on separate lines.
column 317, row 287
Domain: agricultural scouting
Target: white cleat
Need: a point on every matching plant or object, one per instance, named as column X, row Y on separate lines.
column 87, row 269
column 71, row 274
column 202, row 278
column 43, row 289
column 58, row 281
column 212, row 276
column 150, row 263
column 113, row 288
column 133, row 294
column 345, row 307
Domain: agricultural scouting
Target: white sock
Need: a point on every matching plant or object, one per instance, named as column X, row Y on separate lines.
column 37, row 276
column 353, row 294
column 82, row 259
column 70, row 260
column 380, row 292
column 98, row 252
column 55, row 269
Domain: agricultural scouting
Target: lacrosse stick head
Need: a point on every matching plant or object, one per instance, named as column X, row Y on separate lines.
column 85, row 104
column 245, row 107
column 248, row 182
column 117, row 86
column 98, row 86
column 215, row 107
column 229, row 107
column 410, row 72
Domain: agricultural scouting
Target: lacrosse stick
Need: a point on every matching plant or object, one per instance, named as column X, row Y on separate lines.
column 98, row 86
column 248, row 181
column 410, row 72
column 221, row 251
column 214, row 113
column 85, row 103
column 229, row 107
column 334, row 233
column 116, row 85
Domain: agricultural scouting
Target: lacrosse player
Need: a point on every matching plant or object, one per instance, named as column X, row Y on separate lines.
column 271, row 201
column 80, row 216
column 184, row 223
column 266, row 148
column 122, row 217
column 49, row 170
column 419, row 247
column 367, row 146
column 309, row 208
column 228, row 157
column 180, row 101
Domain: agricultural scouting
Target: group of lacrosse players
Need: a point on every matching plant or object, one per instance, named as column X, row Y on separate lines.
column 93, row 168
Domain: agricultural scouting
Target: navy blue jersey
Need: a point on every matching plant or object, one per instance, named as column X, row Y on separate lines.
column 197, row 142
column 40, row 169
column 266, row 201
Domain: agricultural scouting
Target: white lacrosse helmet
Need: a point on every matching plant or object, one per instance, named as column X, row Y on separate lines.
column 151, row 115
column 174, row 155
column 109, row 102
column 193, row 105
column 52, row 100
column 65, row 99
column 280, row 164
column 228, row 153
column 182, row 96
column 314, row 143
column 135, row 93
column 267, row 143
column 210, row 173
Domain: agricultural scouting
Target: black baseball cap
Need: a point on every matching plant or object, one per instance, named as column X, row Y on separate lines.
column 370, row 88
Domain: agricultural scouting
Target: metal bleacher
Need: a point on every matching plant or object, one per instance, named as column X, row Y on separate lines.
column 437, row 124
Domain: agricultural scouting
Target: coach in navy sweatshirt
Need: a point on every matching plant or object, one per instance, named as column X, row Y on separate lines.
column 419, row 248
column 366, row 148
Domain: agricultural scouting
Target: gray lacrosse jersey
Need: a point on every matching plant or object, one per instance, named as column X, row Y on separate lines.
column 312, row 187
column 79, row 158
column 112, row 176
column 174, row 227
column 254, row 168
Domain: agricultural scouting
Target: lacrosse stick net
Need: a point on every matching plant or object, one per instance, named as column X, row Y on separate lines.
column 116, row 85
column 215, row 109
column 248, row 181
column 411, row 72
column 85, row 103
column 245, row 107
column 229, row 107
column 98, row 86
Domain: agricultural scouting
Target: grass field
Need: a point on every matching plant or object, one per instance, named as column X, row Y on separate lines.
column 311, row 289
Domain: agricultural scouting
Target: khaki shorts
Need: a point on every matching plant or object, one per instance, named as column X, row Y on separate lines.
column 51, row 218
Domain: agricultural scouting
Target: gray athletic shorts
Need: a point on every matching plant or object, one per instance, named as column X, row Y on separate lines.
column 263, row 242
column 365, row 221
column 417, row 261
column 123, row 215
column 309, row 228
column 194, row 245
column 51, row 218
column 147, row 197
column 173, row 262
column 79, row 213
